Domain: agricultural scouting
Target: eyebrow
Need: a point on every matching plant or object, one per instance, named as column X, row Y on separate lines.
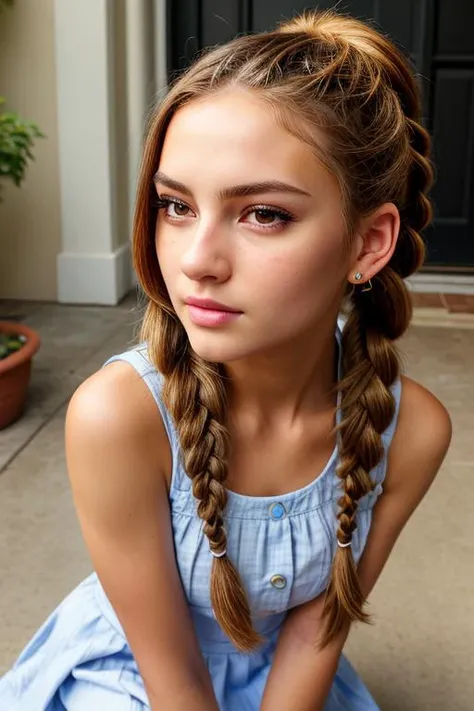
column 272, row 186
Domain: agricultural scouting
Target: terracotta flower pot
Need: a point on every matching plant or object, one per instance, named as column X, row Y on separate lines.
column 15, row 373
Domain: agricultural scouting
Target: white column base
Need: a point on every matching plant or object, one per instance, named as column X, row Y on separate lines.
column 94, row 278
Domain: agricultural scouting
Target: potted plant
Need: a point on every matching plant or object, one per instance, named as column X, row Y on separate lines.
column 18, row 343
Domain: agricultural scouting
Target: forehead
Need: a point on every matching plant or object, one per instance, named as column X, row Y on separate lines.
column 235, row 136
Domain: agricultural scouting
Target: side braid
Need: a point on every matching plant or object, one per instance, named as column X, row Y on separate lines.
column 416, row 213
column 371, row 364
column 195, row 395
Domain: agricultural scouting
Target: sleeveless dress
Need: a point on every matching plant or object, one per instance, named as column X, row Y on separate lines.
column 283, row 546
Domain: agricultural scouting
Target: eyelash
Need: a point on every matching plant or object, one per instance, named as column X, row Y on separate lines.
column 286, row 217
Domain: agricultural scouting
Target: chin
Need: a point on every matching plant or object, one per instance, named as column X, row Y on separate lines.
column 217, row 347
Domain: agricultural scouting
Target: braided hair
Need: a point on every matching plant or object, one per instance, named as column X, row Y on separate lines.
column 329, row 72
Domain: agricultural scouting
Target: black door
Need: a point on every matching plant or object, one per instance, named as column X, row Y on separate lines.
column 439, row 37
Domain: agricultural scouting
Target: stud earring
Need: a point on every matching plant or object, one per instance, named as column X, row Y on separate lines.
column 358, row 276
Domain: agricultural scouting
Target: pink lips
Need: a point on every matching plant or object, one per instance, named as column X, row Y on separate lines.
column 206, row 312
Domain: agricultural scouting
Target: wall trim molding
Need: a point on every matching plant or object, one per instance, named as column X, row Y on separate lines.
column 94, row 278
column 442, row 283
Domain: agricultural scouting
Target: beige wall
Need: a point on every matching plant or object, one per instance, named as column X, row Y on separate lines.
column 30, row 230
column 85, row 72
column 118, row 61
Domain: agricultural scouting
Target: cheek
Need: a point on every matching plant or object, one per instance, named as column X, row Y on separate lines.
column 168, row 257
column 306, row 282
column 168, row 265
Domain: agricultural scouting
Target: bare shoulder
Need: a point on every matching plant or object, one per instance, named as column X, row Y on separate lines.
column 116, row 449
column 420, row 443
column 113, row 417
column 115, row 396
column 422, row 437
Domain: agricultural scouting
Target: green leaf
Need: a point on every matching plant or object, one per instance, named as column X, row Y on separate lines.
column 17, row 137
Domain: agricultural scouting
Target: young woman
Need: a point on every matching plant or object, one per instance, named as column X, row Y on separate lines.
column 243, row 474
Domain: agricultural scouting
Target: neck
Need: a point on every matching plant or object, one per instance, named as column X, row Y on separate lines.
column 288, row 381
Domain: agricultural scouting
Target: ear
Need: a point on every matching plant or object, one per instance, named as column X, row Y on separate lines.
column 375, row 242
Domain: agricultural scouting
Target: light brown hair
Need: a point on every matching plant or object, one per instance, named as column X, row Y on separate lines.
column 341, row 76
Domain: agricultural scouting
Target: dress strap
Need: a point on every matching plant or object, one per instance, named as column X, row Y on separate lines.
column 139, row 359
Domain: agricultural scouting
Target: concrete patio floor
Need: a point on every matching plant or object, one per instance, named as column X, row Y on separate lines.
column 419, row 654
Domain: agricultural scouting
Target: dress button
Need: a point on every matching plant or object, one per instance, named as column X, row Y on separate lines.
column 277, row 511
column 278, row 581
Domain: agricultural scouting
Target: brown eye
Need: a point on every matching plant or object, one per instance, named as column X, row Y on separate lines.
column 265, row 217
column 268, row 217
column 180, row 209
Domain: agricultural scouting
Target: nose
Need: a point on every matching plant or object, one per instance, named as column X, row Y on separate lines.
column 208, row 255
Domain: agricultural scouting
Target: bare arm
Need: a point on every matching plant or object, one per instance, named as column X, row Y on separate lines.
column 117, row 456
column 301, row 677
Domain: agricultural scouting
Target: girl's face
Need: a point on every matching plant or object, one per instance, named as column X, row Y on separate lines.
column 251, row 220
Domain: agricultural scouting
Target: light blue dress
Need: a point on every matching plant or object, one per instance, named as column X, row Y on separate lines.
column 282, row 546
